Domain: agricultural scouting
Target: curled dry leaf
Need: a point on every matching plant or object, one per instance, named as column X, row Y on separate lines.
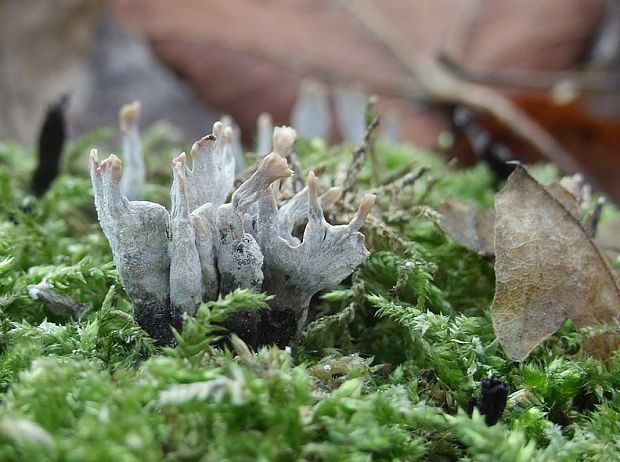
column 547, row 269
column 474, row 228
column 469, row 225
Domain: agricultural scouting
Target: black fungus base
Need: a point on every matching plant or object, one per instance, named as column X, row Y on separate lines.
column 263, row 327
column 492, row 401
column 158, row 323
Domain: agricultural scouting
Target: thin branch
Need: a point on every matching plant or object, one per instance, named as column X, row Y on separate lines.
column 400, row 183
column 459, row 36
column 591, row 80
column 359, row 156
column 442, row 86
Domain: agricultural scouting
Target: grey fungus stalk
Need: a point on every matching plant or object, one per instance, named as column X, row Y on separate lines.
column 295, row 211
column 235, row 141
column 132, row 184
column 204, row 222
column 138, row 235
column 185, row 281
column 325, row 257
column 350, row 106
column 311, row 115
column 213, row 169
column 264, row 130
column 240, row 258
column 170, row 263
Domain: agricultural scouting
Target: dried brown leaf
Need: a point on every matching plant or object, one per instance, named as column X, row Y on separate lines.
column 470, row 226
column 223, row 62
column 600, row 345
column 564, row 197
column 547, row 269
column 608, row 239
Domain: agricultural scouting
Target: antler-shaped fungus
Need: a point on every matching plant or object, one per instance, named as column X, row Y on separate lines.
column 185, row 280
column 213, row 172
column 138, row 235
column 324, row 258
column 217, row 247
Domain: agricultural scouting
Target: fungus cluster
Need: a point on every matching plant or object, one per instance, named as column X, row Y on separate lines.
column 171, row 262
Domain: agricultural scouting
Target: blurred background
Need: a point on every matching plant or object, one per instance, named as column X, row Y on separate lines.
column 525, row 79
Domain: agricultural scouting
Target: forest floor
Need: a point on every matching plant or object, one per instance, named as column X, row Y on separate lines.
column 387, row 370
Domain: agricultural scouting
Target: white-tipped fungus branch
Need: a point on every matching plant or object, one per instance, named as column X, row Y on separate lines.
column 170, row 263
column 132, row 184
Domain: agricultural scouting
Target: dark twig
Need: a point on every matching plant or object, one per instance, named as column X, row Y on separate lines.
column 359, row 156
column 371, row 137
column 298, row 182
column 400, row 183
column 51, row 142
column 495, row 155
column 384, row 230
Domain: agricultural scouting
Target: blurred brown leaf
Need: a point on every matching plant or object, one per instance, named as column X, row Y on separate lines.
column 470, row 226
column 547, row 269
column 600, row 345
column 594, row 142
column 608, row 239
column 248, row 56
column 565, row 198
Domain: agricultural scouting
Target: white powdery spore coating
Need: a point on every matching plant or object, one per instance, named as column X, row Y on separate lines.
column 218, row 247
column 185, row 280
column 325, row 257
column 138, row 235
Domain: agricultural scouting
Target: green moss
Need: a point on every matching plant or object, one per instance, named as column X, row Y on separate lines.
column 382, row 374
